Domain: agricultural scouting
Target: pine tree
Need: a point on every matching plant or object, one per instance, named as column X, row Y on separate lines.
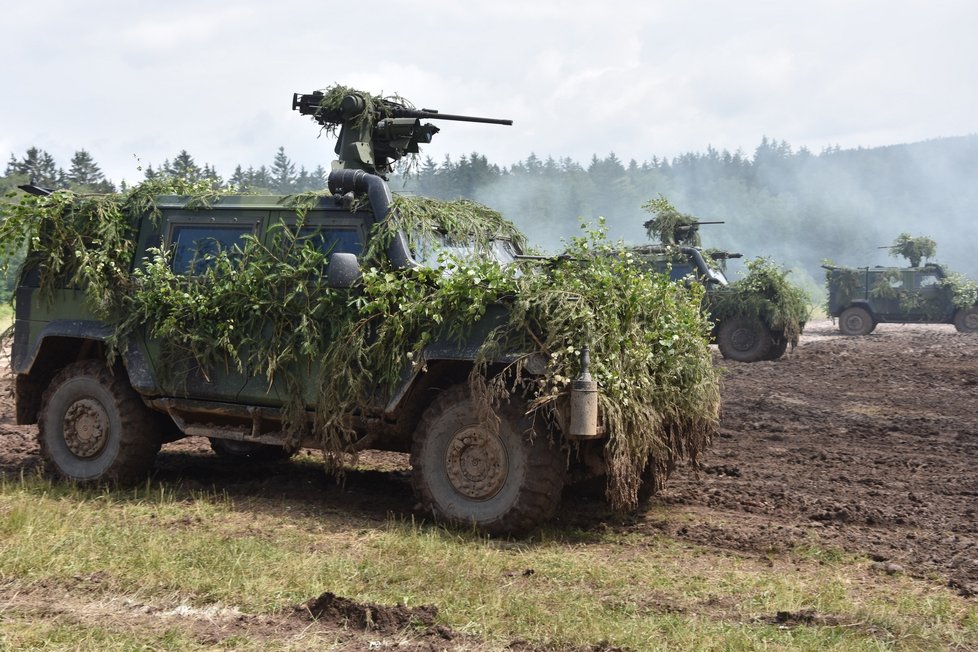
column 85, row 174
column 210, row 174
column 319, row 178
column 184, row 167
column 238, row 179
column 38, row 166
column 283, row 173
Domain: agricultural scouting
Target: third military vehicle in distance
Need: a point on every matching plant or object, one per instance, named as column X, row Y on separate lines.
column 862, row 297
column 746, row 328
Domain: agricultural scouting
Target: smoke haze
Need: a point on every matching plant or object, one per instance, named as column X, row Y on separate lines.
column 795, row 207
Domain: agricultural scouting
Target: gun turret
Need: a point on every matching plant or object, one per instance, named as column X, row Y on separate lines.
column 374, row 132
column 688, row 234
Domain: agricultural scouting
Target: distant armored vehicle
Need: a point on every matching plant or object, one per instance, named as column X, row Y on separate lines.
column 862, row 297
column 747, row 323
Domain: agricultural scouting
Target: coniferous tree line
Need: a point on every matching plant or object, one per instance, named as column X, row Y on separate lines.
column 793, row 205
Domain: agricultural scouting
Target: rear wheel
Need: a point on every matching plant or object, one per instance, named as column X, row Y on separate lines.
column 504, row 480
column 966, row 320
column 744, row 339
column 856, row 321
column 93, row 427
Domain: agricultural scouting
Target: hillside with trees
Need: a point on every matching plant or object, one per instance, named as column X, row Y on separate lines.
column 792, row 205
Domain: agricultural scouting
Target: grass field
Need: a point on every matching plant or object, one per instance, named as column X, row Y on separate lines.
column 78, row 567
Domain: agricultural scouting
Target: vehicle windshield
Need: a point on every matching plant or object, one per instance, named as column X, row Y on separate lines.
column 717, row 276
column 434, row 249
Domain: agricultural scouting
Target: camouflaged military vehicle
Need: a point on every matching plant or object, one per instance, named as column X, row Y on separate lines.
column 745, row 327
column 267, row 326
column 862, row 297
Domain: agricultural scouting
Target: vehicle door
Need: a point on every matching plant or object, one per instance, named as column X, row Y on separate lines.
column 934, row 301
column 193, row 239
column 329, row 232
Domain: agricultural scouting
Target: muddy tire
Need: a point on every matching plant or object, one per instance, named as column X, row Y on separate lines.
column 503, row 481
column 92, row 426
column 744, row 339
column 232, row 449
column 966, row 320
column 856, row 321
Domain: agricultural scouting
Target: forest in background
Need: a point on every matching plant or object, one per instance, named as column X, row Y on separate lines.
column 791, row 205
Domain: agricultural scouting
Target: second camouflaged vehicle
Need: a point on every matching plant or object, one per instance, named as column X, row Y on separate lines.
column 862, row 297
column 748, row 326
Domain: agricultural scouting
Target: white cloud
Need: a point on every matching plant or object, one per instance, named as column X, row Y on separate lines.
column 578, row 78
column 161, row 32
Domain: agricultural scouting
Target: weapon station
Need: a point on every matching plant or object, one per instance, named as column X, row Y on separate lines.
column 375, row 132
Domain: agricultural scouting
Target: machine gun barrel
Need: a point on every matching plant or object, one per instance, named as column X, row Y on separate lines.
column 431, row 114
column 352, row 105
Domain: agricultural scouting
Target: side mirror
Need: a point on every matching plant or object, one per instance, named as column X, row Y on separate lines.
column 344, row 270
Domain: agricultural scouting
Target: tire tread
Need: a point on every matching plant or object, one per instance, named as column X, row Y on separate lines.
column 140, row 439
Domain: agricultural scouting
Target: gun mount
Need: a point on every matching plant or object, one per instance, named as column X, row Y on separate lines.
column 374, row 132
column 686, row 233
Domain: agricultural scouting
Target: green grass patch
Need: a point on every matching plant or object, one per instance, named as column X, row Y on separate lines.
column 636, row 592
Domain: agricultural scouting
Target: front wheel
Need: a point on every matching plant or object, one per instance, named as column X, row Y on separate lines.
column 504, row 480
column 744, row 339
column 856, row 321
column 966, row 320
column 92, row 426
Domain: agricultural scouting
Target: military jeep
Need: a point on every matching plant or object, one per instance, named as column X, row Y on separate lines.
column 741, row 331
column 862, row 297
column 494, row 427
column 106, row 422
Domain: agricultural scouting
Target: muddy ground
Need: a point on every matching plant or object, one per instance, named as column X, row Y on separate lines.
column 867, row 445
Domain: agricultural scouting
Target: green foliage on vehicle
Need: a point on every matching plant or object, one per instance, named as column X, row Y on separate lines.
column 670, row 226
column 914, row 249
column 85, row 240
column 846, row 283
column 264, row 311
column 964, row 291
column 765, row 293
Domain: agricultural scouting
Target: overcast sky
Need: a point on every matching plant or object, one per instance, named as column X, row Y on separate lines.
column 135, row 82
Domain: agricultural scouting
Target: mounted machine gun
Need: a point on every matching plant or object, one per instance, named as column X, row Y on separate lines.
column 374, row 132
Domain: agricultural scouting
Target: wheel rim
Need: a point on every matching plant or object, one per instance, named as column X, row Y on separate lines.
column 477, row 463
column 854, row 323
column 86, row 427
column 743, row 339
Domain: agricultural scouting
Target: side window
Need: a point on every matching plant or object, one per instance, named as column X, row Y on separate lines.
column 194, row 246
column 331, row 239
column 681, row 270
column 929, row 280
